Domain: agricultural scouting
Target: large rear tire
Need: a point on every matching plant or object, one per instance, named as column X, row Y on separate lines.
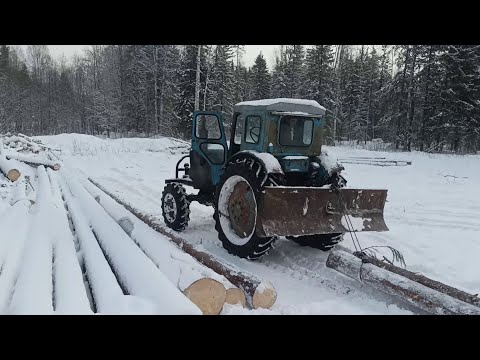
column 175, row 206
column 236, row 202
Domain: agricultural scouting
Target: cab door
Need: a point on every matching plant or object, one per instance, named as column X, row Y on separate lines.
column 209, row 149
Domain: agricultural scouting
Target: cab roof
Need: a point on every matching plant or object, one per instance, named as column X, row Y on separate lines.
column 286, row 105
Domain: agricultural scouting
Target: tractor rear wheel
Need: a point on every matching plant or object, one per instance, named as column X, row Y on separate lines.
column 236, row 208
column 325, row 242
column 175, row 206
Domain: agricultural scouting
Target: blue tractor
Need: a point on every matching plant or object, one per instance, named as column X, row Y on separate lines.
column 270, row 180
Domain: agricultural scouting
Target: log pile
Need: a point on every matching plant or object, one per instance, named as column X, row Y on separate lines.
column 21, row 148
column 257, row 293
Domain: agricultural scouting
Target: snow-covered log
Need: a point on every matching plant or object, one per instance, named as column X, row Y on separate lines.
column 14, row 234
column 69, row 290
column 136, row 273
column 432, row 284
column 107, row 294
column 179, row 267
column 393, row 284
column 259, row 293
column 35, row 275
column 19, row 194
column 7, row 167
column 34, row 161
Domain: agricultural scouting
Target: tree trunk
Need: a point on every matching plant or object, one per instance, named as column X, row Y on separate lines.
column 197, row 81
column 155, row 88
column 34, row 161
column 425, row 99
column 411, row 95
column 400, row 104
column 399, row 286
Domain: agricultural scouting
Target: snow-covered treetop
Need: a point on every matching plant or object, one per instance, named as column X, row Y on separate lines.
column 283, row 105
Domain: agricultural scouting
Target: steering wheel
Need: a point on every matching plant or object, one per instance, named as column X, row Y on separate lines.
column 254, row 135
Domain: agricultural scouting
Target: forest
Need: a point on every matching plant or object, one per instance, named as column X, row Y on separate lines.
column 414, row 97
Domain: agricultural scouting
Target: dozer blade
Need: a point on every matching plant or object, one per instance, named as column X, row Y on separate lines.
column 296, row 211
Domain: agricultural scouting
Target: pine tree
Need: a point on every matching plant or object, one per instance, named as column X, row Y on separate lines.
column 279, row 88
column 260, row 78
column 319, row 75
column 294, row 70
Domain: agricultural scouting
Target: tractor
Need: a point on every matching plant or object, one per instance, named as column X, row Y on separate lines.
column 271, row 179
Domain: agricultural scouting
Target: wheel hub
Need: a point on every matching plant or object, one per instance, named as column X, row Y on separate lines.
column 241, row 209
column 170, row 208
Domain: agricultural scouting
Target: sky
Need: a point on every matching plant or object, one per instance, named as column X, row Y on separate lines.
column 251, row 52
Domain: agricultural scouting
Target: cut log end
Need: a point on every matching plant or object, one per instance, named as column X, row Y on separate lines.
column 235, row 296
column 13, row 175
column 265, row 296
column 208, row 294
column 56, row 167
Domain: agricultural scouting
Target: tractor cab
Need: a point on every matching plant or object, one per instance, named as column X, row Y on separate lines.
column 289, row 129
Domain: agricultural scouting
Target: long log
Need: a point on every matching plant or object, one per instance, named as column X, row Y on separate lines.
column 432, row 284
column 34, row 161
column 36, row 270
column 107, row 294
column 8, row 167
column 260, row 294
column 181, row 268
column 136, row 273
column 69, row 292
column 13, row 224
column 393, row 284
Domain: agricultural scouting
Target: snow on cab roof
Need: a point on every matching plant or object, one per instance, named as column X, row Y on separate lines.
column 282, row 105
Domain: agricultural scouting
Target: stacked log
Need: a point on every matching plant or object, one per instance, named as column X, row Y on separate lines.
column 259, row 293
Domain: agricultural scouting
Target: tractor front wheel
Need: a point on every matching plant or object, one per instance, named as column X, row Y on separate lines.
column 236, row 209
column 175, row 206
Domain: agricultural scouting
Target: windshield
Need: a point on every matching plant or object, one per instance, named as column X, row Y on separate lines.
column 296, row 131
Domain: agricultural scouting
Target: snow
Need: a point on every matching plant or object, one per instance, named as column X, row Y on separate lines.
column 293, row 113
column 269, row 161
column 329, row 161
column 431, row 213
column 13, row 236
column 35, row 275
column 292, row 157
column 267, row 102
column 353, row 223
column 104, row 285
column 69, row 291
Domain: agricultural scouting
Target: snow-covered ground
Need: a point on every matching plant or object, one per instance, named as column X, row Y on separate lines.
column 433, row 214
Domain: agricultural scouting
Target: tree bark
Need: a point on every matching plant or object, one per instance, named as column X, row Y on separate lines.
column 425, row 99
column 391, row 283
